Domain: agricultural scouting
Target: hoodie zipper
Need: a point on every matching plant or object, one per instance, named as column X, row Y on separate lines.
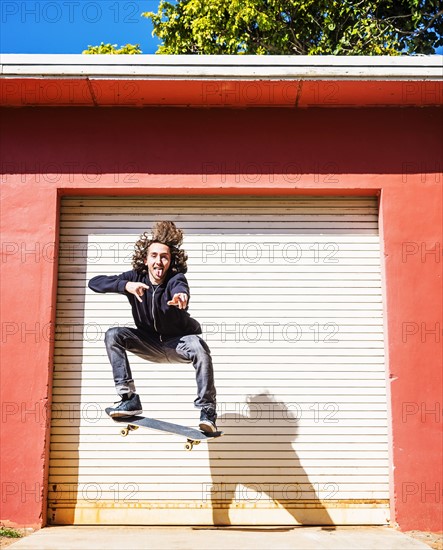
column 154, row 290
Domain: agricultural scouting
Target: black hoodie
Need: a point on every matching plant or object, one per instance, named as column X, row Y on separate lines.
column 152, row 314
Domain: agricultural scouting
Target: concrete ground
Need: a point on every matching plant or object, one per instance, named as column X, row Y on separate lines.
column 231, row 538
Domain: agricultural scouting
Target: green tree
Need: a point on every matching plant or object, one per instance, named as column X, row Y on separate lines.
column 112, row 49
column 314, row 27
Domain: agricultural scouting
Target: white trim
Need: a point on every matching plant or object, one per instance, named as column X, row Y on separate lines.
column 213, row 67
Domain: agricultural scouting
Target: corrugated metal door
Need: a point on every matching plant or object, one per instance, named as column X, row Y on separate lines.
column 288, row 291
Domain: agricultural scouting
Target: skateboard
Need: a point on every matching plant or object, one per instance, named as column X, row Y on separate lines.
column 193, row 436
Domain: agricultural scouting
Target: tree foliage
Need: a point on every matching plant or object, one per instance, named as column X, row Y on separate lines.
column 113, row 49
column 314, row 27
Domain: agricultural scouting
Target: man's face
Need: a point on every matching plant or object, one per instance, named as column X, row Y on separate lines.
column 158, row 261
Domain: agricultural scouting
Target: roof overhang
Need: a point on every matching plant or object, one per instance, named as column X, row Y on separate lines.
column 220, row 80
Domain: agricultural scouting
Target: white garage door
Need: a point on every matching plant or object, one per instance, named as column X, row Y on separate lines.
column 288, row 291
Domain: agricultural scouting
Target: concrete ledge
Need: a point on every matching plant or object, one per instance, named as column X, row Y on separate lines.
column 246, row 538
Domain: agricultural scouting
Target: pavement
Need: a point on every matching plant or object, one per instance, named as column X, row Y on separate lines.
column 231, row 538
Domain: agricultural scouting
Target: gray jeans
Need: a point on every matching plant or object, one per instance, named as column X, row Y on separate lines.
column 180, row 349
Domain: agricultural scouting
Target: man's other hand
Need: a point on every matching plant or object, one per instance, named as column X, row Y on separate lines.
column 138, row 289
column 179, row 300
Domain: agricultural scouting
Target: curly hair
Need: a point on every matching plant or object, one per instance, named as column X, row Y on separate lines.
column 165, row 233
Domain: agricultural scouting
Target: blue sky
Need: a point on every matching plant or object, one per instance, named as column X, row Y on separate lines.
column 69, row 26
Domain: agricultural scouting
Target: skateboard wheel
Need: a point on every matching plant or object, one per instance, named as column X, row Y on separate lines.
column 188, row 446
column 124, row 432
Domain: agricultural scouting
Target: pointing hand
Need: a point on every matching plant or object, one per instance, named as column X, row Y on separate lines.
column 138, row 289
column 179, row 300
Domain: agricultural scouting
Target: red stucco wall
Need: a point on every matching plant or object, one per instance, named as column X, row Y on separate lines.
column 394, row 152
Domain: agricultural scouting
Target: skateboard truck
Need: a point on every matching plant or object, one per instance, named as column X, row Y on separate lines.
column 124, row 431
column 190, row 444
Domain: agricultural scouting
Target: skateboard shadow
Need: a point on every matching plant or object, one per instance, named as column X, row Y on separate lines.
column 257, row 466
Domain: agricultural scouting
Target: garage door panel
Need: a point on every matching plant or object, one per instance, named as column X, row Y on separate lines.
column 288, row 292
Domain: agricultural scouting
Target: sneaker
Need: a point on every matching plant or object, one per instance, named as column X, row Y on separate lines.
column 128, row 406
column 208, row 416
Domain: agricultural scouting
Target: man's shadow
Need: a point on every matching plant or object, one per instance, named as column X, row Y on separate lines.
column 255, row 462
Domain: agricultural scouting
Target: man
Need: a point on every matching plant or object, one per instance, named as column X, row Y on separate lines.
column 158, row 292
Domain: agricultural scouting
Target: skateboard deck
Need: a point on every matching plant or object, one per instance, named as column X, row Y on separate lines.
column 193, row 436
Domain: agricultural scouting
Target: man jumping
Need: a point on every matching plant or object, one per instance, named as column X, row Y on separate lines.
column 158, row 292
